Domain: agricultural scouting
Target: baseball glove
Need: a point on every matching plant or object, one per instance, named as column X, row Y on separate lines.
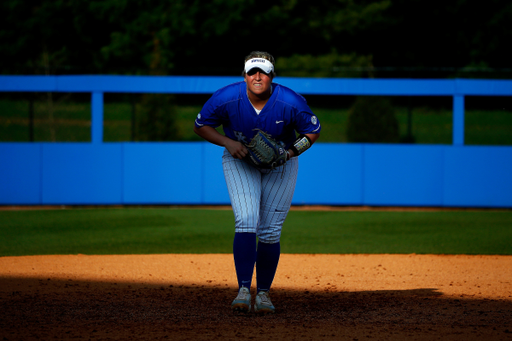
column 265, row 152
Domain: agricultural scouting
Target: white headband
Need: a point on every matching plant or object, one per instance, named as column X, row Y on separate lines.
column 261, row 63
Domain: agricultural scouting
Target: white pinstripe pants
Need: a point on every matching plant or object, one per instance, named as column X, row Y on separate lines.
column 261, row 199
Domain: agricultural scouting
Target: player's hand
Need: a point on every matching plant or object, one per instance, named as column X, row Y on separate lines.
column 236, row 149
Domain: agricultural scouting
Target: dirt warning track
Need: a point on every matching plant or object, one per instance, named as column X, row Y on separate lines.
column 317, row 297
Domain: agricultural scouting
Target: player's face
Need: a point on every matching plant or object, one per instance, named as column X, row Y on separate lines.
column 258, row 82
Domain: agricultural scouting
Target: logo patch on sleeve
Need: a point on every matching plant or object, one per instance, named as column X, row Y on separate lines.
column 314, row 120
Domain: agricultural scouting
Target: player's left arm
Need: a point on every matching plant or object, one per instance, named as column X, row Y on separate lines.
column 303, row 142
column 313, row 137
column 308, row 126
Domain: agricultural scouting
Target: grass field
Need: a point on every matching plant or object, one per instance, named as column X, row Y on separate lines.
column 71, row 123
column 190, row 230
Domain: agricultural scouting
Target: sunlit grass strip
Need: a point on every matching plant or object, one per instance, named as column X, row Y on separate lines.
column 180, row 230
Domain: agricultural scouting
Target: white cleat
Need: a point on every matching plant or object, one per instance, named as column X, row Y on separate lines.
column 263, row 304
column 242, row 302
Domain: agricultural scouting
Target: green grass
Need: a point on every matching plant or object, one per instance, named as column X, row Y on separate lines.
column 443, row 232
column 493, row 127
column 72, row 123
column 429, row 126
column 180, row 230
column 113, row 231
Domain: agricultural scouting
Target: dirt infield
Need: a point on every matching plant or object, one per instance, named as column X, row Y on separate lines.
column 317, row 297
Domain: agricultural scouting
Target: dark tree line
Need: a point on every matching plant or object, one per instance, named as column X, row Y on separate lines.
column 192, row 37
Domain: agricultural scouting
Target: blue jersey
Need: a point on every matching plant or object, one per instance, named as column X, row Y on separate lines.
column 285, row 113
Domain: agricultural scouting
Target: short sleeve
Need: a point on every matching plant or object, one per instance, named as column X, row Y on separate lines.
column 209, row 114
column 306, row 122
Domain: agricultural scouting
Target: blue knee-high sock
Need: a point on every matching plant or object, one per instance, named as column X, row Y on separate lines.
column 244, row 252
column 266, row 264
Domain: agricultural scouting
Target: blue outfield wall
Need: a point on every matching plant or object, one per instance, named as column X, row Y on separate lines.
column 330, row 173
column 149, row 173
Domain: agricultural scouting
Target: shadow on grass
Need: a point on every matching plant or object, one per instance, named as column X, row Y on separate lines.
column 47, row 308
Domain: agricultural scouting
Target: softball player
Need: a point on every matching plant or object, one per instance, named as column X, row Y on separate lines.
column 261, row 198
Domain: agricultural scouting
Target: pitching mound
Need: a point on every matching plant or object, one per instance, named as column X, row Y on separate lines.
column 317, row 297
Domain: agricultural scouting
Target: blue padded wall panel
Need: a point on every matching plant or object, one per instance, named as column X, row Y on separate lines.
column 162, row 173
column 81, row 173
column 403, row 175
column 146, row 173
column 330, row 174
column 215, row 189
column 478, row 176
column 20, row 173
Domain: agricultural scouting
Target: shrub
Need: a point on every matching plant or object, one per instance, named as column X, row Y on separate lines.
column 372, row 119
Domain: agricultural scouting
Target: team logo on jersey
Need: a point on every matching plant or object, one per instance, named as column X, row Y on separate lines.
column 240, row 137
column 314, row 120
column 197, row 121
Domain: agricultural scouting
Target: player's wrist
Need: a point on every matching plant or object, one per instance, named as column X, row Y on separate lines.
column 300, row 145
column 227, row 142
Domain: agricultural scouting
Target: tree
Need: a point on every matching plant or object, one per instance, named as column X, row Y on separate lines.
column 441, row 34
column 149, row 36
column 48, row 36
column 314, row 30
column 124, row 37
column 328, row 65
column 372, row 119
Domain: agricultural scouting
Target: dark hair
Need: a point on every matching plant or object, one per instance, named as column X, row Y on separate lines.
column 260, row 54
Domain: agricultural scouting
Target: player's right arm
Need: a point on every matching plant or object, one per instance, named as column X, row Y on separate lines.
column 210, row 134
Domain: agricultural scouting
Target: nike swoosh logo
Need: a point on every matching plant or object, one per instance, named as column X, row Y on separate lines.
column 277, row 122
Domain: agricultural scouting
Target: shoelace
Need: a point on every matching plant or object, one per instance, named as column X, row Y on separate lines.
column 265, row 299
column 242, row 295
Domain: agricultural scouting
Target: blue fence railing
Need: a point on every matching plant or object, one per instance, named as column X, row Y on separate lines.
column 98, row 85
column 360, row 174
